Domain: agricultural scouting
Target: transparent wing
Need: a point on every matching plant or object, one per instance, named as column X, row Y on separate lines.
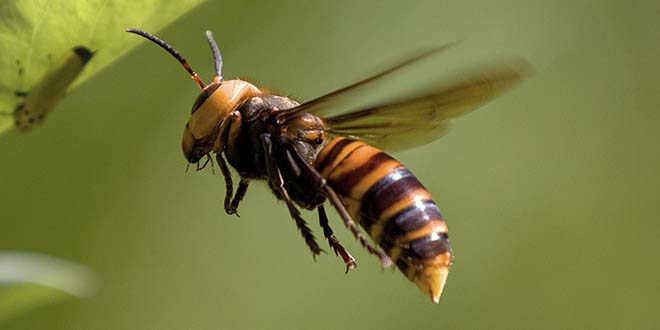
column 406, row 121
column 422, row 118
column 343, row 99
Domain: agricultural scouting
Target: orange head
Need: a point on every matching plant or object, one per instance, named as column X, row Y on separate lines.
column 213, row 105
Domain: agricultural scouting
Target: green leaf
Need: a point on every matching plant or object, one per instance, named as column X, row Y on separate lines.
column 37, row 36
column 30, row 280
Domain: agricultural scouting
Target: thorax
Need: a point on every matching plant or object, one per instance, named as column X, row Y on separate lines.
column 304, row 134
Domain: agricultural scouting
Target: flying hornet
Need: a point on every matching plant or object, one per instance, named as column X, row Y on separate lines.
column 329, row 150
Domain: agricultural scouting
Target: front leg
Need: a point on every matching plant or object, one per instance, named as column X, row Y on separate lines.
column 219, row 147
column 229, row 184
column 277, row 183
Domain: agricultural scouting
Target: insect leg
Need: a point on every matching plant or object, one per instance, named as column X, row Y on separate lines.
column 333, row 241
column 229, row 184
column 222, row 137
column 385, row 261
column 277, row 183
column 240, row 193
column 314, row 176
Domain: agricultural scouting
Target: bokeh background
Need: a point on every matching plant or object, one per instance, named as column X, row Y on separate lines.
column 551, row 192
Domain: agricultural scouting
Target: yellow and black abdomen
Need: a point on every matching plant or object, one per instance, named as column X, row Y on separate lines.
column 393, row 207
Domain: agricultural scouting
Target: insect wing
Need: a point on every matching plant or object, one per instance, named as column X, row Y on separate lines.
column 344, row 99
column 420, row 119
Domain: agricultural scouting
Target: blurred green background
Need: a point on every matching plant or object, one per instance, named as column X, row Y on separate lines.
column 551, row 192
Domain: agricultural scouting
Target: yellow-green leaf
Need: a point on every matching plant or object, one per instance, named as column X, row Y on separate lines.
column 30, row 280
column 37, row 36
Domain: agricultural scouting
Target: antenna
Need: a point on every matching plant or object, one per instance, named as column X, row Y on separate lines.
column 172, row 52
column 217, row 58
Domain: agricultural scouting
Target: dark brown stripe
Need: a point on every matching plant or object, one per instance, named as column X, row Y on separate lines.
column 203, row 96
column 418, row 250
column 402, row 265
column 332, row 154
column 386, row 244
column 352, row 178
column 410, row 219
column 428, row 247
column 387, row 191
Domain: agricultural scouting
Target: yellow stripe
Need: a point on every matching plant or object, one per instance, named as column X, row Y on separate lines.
column 383, row 169
column 324, row 152
column 326, row 171
column 376, row 230
column 418, row 195
column 434, row 226
column 357, row 159
column 395, row 253
column 352, row 206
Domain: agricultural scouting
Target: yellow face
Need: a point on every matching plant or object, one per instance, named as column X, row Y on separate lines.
column 216, row 102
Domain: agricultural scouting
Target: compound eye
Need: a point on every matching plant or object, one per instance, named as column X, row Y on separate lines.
column 203, row 96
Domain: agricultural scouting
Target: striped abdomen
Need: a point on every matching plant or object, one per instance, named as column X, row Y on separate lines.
column 393, row 207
